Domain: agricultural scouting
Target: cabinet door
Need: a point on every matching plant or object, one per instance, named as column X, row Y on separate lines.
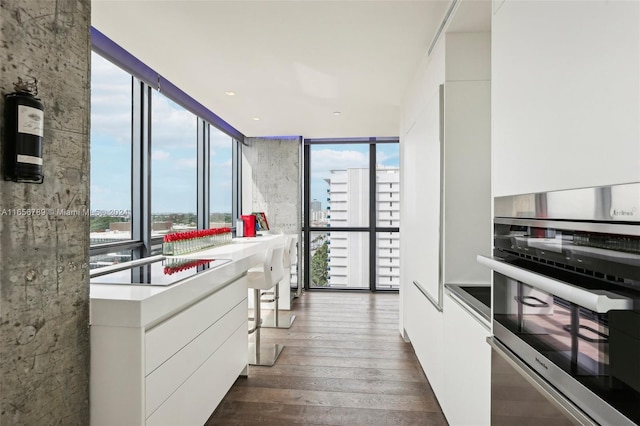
column 421, row 179
column 193, row 402
column 424, row 327
column 565, row 95
column 163, row 381
column 467, row 181
column 467, row 356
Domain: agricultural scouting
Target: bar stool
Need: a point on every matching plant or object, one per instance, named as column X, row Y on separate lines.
column 259, row 279
column 282, row 319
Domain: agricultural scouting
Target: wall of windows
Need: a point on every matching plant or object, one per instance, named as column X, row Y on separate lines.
column 160, row 162
column 352, row 214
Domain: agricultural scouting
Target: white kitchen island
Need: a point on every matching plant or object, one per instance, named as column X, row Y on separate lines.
column 167, row 355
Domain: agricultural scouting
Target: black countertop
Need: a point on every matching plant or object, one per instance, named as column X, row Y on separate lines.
column 476, row 297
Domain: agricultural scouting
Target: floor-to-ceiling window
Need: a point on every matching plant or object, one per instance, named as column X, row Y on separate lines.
column 110, row 194
column 173, row 166
column 352, row 214
column 221, row 174
column 160, row 161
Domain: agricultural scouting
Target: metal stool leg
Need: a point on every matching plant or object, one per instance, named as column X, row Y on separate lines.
column 278, row 319
column 261, row 354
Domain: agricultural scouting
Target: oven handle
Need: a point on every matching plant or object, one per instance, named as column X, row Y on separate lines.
column 600, row 301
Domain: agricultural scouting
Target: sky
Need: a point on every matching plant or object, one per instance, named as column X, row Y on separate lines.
column 325, row 158
column 173, row 152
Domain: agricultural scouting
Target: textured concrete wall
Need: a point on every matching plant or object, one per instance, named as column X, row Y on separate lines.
column 271, row 181
column 44, row 292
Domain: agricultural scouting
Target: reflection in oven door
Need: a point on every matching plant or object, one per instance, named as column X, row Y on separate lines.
column 624, row 348
column 574, row 338
column 601, row 351
column 518, row 397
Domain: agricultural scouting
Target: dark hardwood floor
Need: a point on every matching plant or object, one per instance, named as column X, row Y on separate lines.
column 344, row 363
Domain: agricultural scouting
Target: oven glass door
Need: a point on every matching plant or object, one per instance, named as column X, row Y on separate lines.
column 599, row 350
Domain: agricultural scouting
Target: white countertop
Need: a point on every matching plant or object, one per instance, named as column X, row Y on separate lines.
column 146, row 305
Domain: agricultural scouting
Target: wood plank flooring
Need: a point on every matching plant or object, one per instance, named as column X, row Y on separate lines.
column 344, row 363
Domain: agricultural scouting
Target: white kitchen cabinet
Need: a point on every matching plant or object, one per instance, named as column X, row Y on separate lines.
column 420, row 189
column 446, row 197
column 461, row 111
column 167, row 355
column 466, row 399
column 467, row 188
column 424, row 328
column 455, row 174
column 565, row 94
column 420, row 218
column 172, row 372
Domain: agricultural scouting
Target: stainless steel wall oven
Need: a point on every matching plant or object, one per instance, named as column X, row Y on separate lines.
column 566, row 294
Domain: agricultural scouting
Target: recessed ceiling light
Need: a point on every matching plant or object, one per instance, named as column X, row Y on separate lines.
column 337, row 113
column 256, row 118
column 230, row 93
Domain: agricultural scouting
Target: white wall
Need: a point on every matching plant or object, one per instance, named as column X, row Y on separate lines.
column 566, row 94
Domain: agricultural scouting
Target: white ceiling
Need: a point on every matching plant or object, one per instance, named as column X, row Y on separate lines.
column 290, row 63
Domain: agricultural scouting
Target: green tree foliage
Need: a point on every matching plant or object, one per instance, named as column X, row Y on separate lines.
column 175, row 218
column 319, row 275
column 100, row 223
column 220, row 218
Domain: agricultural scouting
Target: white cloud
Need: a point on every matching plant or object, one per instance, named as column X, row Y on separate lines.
column 171, row 125
column 187, row 163
column 107, row 198
column 159, row 155
column 388, row 155
column 325, row 160
column 219, row 139
column 217, row 165
column 110, row 101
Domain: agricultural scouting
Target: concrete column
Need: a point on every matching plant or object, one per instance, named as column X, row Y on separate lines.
column 271, row 181
column 44, row 289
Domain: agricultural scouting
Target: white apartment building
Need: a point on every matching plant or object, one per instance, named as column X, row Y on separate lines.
column 348, row 264
column 388, row 243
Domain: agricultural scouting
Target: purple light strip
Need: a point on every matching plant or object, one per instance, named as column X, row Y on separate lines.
column 110, row 50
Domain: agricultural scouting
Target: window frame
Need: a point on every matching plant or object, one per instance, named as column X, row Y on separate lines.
column 372, row 229
column 144, row 82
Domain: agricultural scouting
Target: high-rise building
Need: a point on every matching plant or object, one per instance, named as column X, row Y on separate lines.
column 316, row 206
column 388, row 243
column 348, row 258
column 318, row 214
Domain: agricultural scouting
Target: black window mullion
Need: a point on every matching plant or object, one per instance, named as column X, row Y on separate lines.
column 203, row 175
column 372, row 216
column 141, row 168
column 236, row 172
column 307, row 209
